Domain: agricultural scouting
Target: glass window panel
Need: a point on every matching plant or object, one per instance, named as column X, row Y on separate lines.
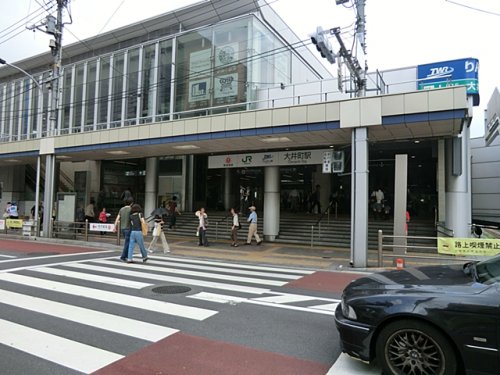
column 117, row 95
column 132, row 83
column 25, row 120
column 45, row 110
column 7, row 117
column 16, row 111
column 164, row 77
column 78, row 99
column 66, row 99
column 103, row 91
column 194, row 71
column 148, row 76
column 35, row 95
column 90, row 92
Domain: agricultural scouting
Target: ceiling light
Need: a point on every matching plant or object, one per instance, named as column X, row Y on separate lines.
column 417, row 141
column 332, row 146
column 63, row 157
column 118, row 152
column 186, row 147
column 12, row 160
column 276, row 139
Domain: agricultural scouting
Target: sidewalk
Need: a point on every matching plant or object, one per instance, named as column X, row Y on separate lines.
column 318, row 257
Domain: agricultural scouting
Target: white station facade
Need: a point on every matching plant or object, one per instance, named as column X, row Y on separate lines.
column 220, row 96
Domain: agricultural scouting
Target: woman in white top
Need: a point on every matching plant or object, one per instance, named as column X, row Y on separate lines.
column 234, row 228
column 202, row 227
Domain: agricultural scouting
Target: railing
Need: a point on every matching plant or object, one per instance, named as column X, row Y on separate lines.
column 384, row 246
column 224, row 219
column 320, row 219
column 441, row 229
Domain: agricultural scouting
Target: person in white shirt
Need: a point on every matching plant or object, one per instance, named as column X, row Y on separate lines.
column 379, row 199
column 202, row 227
column 234, row 228
column 252, row 227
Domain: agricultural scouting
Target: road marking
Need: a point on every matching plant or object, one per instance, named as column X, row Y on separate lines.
column 328, row 306
column 227, row 270
column 7, row 256
column 238, row 279
column 114, row 323
column 286, row 298
column 220, row 298
column 46, row 265
column 91, row 277
column 172, row 279
column 346, row 365
column 68, row 353
column 55, row 256
column 235, row 265
column 111, row 297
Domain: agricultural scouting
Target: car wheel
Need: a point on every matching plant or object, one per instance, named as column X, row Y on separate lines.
column 413, row 347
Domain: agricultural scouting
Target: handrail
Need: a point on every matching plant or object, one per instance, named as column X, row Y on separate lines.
column 440, row 228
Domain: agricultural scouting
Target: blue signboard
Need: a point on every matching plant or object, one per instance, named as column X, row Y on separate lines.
column 450, row 73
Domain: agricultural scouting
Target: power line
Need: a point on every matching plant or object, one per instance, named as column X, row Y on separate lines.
column 473, row 8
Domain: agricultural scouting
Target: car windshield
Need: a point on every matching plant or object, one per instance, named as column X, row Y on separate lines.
column 488, row 271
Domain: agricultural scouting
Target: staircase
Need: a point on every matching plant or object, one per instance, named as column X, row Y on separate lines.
column 296, row 229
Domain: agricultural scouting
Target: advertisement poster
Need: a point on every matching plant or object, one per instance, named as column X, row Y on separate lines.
column 226, row 85
column 199, row 90
column 226, row 55
column 199, row 63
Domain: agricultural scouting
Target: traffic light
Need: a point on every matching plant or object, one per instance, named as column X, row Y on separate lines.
column 323, row 45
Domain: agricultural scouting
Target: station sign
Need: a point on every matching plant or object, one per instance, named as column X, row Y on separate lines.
column 263, row 159
column 450, row 73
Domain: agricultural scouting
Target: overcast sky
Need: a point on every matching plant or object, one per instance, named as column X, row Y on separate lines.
column 400, row 33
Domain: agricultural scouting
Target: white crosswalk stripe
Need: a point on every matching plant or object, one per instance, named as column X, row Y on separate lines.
column 89, row 293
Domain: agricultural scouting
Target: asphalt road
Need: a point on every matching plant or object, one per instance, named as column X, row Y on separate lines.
column 84, row 311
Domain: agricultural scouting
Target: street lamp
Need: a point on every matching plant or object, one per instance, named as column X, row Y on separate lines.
column 38, row 164
column 3, row 62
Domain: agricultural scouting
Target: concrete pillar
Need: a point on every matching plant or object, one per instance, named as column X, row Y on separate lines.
column 359, row 198
column 441, row 178
column 400, row 195
column 271, row 203
column 48, row 199
column 151, row 189
column 227, row 189
column 458, row 192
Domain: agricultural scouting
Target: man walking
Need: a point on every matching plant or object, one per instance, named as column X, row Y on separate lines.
column 252, row 227
column 123, row 218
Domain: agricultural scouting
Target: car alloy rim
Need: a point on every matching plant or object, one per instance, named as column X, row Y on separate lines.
column 413, row 352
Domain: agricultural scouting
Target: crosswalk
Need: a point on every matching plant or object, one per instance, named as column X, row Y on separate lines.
column 109, row 303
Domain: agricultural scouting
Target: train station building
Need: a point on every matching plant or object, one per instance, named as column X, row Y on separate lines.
column 220, row 105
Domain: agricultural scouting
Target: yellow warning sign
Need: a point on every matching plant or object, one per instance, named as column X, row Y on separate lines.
column 14, row 223
column 468, row 246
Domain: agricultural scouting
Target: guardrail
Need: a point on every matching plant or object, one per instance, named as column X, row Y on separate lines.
column 384, row 246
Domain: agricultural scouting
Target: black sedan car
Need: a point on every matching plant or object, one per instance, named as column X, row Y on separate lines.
column 442, row 320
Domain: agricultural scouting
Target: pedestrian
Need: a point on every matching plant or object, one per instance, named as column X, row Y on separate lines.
column 126, row 195
column 103, row 218
column 252, row 227
column 315, row 200
column 123, row 219
column 89, row 211
column 407, row 220
column 12, row 210
column 136, row 220
column 235, row 228
column 158, row 233
column 202, row 227
column 379, row 197
column 173, row 211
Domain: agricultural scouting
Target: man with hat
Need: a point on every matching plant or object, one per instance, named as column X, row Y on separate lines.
column 252, row 227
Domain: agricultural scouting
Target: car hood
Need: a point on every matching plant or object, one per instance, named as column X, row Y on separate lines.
column 445, row 279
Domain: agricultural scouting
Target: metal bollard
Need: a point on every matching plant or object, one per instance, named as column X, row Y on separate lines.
column 86, row 230
column 380, row 248
column 312, row 236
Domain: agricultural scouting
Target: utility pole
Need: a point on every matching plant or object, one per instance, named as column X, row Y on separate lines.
column 54, row 27
column 359, row 142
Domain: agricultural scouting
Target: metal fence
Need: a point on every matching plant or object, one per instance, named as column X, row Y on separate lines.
column 386, row 243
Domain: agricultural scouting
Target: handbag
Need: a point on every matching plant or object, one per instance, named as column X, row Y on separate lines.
column 144, row 227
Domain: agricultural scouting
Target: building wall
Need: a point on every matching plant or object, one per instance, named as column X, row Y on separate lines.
column 485, row 180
